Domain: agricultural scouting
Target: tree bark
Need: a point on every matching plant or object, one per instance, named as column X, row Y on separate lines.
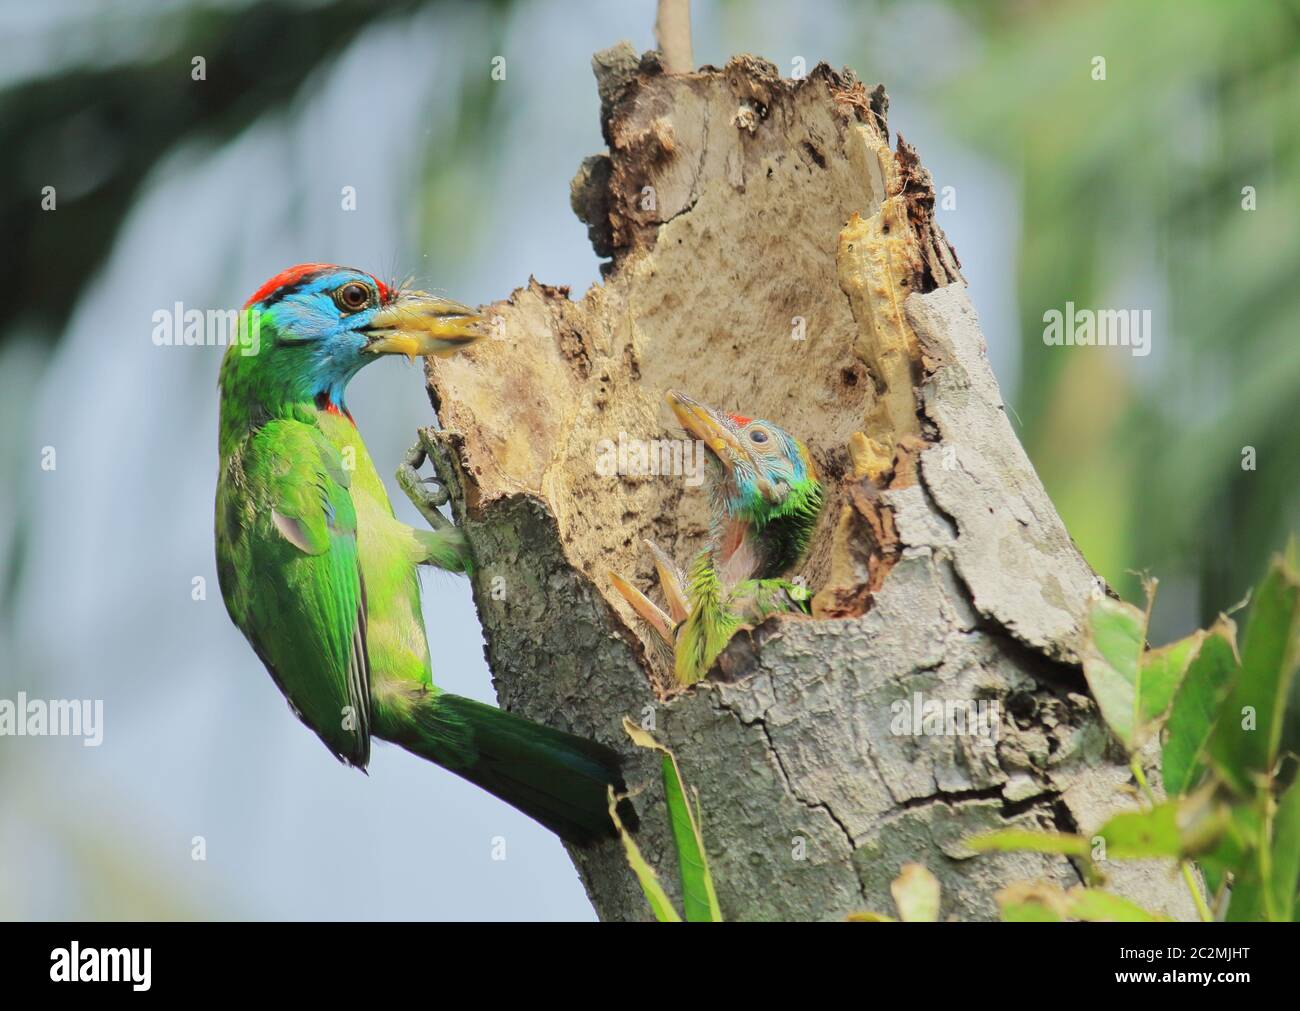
column 771, row 254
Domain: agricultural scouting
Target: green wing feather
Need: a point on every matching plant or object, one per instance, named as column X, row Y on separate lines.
column 710, row 625
column 287, row 561
column 717, row 613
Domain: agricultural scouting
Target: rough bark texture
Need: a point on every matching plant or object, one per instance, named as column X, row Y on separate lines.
column 736, row 205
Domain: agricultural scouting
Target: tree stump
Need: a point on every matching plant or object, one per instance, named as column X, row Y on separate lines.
column 770, row 253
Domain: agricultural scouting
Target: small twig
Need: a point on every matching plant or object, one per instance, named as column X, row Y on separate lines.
column 673, row 33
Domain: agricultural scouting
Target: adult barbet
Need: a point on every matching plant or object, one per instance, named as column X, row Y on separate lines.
column 322, row 579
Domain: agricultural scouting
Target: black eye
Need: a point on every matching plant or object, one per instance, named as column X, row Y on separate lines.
column 758, row 435
column 352, row 296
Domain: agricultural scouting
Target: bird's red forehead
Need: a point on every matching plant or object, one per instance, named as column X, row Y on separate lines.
column 301, row 272
column 740, row 419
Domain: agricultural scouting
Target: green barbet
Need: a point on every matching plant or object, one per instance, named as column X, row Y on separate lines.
column 764, row 502
column 321, row 577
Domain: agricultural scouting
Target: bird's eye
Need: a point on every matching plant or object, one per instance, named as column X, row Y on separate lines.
column 758, row 435
column 352, row 296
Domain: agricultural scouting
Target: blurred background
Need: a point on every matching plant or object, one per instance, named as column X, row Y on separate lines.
column 1122, row 193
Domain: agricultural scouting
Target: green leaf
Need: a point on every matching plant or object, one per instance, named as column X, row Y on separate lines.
column 1023, row 840
column 1177, row 828
column 1095, row 906
column 1041, row 902
column 1028, row 902
column 1196, row 708
column 1246, row 741
column 1285, row 876
column 1136, row 835
column 1015, row 840
column 1116, row 635
column 916, row 894
column 1029, row 912
column 867, row 916
column 1163, row 671
column 1232, row 853
column 1132, row 687
column 699, row 900
column 660, row 904
column 1247, row 902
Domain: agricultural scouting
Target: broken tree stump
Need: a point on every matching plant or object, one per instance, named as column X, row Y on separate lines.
column 770, row 252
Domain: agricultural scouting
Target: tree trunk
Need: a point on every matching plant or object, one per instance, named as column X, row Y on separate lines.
column 771, row 254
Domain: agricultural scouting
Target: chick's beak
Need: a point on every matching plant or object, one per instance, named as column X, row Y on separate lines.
column 708, row 426
column 417, row 323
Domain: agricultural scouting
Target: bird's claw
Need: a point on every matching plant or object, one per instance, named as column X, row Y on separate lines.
column 427, row 494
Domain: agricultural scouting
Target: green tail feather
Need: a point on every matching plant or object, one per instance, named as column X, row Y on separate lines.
column 558, row 779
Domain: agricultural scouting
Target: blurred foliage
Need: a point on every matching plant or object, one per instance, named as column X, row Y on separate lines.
column 94, row 129
column 96, row 122
column 1129, row 186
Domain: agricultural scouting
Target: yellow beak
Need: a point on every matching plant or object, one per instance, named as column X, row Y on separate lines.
column 417, row 323
column 709, row 427
column 706, row 426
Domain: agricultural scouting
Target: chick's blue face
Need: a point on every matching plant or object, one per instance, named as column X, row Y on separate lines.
column 766, row 497
column 768, row 466
column 756, row 467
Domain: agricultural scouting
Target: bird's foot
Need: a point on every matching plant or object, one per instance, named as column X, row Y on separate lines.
column 425, row 493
